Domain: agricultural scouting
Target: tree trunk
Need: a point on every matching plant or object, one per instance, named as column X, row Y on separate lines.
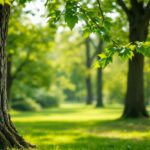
column 9, row 136
column 99, row 102
column 99, row 88
column 9, row 77
column 134, row 100
column 89, row 97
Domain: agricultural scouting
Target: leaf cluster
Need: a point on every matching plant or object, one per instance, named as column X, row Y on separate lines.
column 125, row 52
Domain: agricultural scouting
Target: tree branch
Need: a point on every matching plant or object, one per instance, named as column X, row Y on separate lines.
column 123, row 5
column 15, row 74
column 94, row 45
column 98, row 49
column 100, row 9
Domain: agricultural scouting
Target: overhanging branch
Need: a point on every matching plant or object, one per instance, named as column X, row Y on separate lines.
column 98, row 49
column 123, row 5
column 100, row 9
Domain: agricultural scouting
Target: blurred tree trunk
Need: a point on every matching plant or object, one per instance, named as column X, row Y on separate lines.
column 138, row 16
column 99, row 102
column 89, row 98
column 9, row 137
column 11, row 77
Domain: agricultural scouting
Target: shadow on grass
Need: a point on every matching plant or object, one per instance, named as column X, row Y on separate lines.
column 59, row 127
column 99, row 143
column 139, row 125
column 85, row 135
column 49, row 112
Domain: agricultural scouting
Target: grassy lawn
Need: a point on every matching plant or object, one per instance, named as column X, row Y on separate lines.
column 78, row 127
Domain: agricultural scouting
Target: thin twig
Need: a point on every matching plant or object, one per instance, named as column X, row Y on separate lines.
column 116, row 43
column 100, row 9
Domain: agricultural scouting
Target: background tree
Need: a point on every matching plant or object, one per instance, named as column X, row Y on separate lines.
column 138, row 17
column 34, row 53
column 99, row 78
column 89, row 98
column 98, row 48
column 90, row 45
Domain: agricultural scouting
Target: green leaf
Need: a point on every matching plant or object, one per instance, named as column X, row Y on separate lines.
column 96, row 65
column 23, row 1
column 102, row 56
column 71, row 20
column 1, row 2
column 7, row 2
column 86, row 32
column 143, row 48
column 54, row 16
column 71, row 17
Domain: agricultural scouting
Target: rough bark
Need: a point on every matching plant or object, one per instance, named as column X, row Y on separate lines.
column 138, row 24
column 89, row 98
column 99, row 101
column 9, row 137
column 9, row 77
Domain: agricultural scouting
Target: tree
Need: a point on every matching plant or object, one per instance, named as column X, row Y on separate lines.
column 89, row 98
column 70, row 75
column 99, row 83
column 96, row 22
column 28, row 51
column 9, row 136
column 138, row 17
column 99, row 79
column 89, row 61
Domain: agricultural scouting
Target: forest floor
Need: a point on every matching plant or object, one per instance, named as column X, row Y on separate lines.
column 78, row 127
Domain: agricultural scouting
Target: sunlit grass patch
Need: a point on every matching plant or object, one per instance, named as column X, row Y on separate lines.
column 76, row 127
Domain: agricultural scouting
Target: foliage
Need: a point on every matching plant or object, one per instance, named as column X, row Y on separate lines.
column 2, row 2
column 95, row 21
column 63, row 59
column 114, row 79
column 71, row 13
column 46, row 101
column 147, row 81
column 90, row 14
column 69, row 73
column 125, row 51
column 25, row 104
column 31, row 67
column 23, row 1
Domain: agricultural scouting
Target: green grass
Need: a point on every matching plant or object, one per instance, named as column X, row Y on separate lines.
column 78, row 127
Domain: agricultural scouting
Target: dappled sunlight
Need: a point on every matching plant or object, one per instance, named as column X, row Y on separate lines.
column 71, row 125
column 74, row 74
column 69, row 114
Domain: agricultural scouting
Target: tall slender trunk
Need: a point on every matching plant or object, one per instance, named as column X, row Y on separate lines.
column 99, row 88
column 9, row 136
column 99, row 102
column 134, row 100
column 89, row 98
